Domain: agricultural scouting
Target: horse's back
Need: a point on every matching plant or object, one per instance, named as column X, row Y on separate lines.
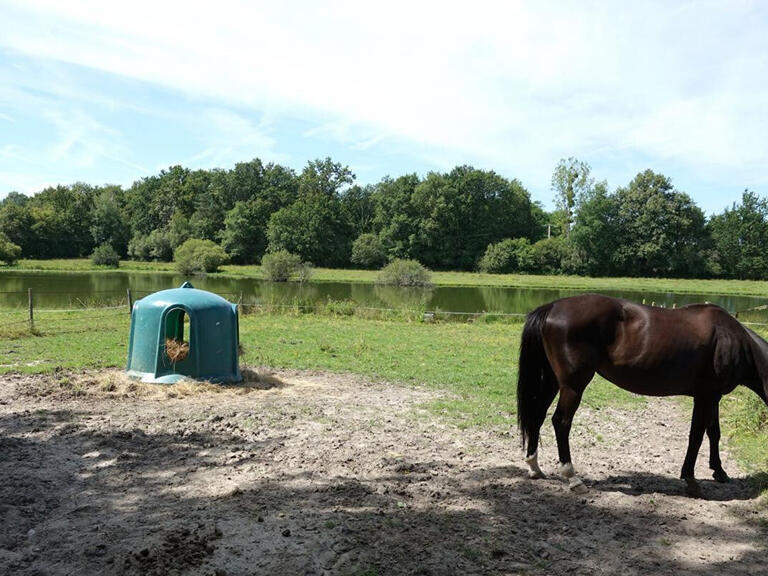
column 643, row 349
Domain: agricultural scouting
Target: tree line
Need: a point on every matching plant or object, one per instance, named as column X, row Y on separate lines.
column 465, row 219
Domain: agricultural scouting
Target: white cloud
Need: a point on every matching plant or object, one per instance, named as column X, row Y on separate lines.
column 230, row 138
column 509, row 84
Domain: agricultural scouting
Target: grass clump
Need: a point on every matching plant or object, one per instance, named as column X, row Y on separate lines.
column 405, row 273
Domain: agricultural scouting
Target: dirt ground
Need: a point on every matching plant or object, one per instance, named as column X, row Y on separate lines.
column 309, row 473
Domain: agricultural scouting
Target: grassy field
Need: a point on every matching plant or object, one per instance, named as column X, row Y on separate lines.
column 678, row 285
column 475, row 362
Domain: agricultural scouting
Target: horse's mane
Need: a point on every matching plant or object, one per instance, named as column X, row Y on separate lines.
column 760, row 358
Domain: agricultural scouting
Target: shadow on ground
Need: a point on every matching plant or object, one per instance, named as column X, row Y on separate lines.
column 76, row 498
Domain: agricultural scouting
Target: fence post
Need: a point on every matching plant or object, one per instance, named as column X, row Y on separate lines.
column 31, row 310
column 130, row 301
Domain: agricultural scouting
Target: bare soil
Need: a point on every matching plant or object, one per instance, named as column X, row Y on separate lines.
column 310, row 473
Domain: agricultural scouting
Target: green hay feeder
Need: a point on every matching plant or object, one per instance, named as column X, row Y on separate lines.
column 184, row 333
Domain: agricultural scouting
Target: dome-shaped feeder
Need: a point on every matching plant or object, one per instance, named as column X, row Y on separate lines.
column 184, row 333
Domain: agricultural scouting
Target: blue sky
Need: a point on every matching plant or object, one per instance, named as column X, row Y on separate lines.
column 112, row 93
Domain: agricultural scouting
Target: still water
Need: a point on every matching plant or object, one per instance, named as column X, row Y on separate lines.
column 69, row 290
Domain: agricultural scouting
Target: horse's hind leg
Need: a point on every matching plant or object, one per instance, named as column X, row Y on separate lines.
column 531, row 454
column 713, row 432
column 567, row 404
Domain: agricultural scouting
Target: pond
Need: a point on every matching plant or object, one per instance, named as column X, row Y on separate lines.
column 75, row 290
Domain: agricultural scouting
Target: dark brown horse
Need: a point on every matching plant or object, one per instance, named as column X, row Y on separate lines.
column 699, row 351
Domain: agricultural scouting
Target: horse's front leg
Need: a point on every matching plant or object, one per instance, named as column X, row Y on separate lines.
column 713, row 432
column 703, row 412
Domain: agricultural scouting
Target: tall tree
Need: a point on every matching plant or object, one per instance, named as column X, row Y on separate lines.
column 595, row 230
column 314, row 226
column 740, row 236
column 395, row 218
column 571, row 181
column 108, row 223
column 464, row 211
column 659, row 231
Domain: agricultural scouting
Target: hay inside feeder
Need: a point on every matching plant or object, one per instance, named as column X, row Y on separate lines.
column 176, row 350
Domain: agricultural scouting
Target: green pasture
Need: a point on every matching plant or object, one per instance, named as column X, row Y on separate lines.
column 474, row 363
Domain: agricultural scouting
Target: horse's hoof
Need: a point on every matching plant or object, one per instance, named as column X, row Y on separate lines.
column 692, row 488
column 576, row 486
column 533, row 463
column 721, row 476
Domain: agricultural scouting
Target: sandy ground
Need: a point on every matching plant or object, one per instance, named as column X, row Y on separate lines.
column 313, row 473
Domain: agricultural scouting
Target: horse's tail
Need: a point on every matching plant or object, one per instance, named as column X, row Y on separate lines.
column 536, row 382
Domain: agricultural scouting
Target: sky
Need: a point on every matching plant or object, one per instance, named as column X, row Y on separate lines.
column 106, row 92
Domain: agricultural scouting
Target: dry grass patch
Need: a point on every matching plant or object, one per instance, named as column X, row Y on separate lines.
column 117, row 384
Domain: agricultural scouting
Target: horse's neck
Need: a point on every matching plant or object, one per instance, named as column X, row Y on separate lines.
column 760, row 357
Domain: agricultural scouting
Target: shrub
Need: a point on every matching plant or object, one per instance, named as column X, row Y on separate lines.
column 404, row 273
column 9, row 252
column 280, row 266
column 510, row 255
column 105, row 255
column 197, row 255
column 368, row 251
column 557, row 255
column 154, row 246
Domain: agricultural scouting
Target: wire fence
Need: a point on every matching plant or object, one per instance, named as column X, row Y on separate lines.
column 86, row 309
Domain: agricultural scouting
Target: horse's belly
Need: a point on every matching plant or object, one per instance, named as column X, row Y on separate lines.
column 649, row 382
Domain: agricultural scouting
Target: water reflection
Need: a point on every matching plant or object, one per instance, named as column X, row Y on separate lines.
column 56, row 290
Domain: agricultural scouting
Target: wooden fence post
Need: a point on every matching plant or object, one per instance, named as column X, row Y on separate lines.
column 130, row 301
column 31, row 310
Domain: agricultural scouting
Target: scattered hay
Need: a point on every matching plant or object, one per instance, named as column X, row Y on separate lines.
column 117, row 384
column 176, row 350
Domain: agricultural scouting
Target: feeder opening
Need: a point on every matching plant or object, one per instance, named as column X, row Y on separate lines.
column 176, row 348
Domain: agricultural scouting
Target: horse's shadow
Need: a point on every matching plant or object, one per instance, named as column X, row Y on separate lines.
column 636, row 484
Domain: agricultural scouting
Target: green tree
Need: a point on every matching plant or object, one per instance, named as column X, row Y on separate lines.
column 596, row 230
column 659, row 231
column 368, row 251
column 740, row 236
column 570, row 182
column 463, row 211
column 108, row 222
column 16, row 221
column 179, row 229
column 244, row 235
column 314, row 227
column 9, row 252
column 395, row 218
column 358, row 208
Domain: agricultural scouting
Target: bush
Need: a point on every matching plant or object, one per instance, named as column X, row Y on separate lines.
column 197, row 255
column 280, row 266
column 368, row 251
column 510, row 255
column 154, row 246
column 405, row 273
column 9, row 252
column 105, row 255
column 556, row 256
